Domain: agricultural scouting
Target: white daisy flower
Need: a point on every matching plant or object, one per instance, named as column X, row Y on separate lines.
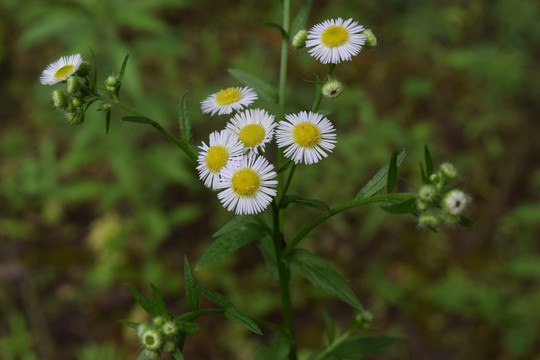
column 223, row 147
column 253, row 128
column 335, row 40
column 61, row 69
column 308, row 137
column 228, row 100
column 455, row 202
column 248, row 185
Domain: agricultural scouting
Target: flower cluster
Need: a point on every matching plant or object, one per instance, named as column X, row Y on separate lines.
column 233, row 160
column 438, row 204
column 159, row 336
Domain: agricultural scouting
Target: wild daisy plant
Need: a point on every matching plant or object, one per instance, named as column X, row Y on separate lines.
column 235, row 163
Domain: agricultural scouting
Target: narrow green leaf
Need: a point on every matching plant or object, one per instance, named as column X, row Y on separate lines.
column 404, row 207
column 392, row 173
column 429, row 161
column 131, row 324
column 425, row 179
column 238, row 220
column 358, row 347
column 281, row 30
column 177, row 355
column 262, row 87
column 321, row 273
column 160, row 304
column 278, row 349
column 379, row 180
column 148, row 305
column 463, row 221
column 317, row 204
column 192, row 295
column 184, row 120
column 186, row 327
column 232, row 313
column 214, row 297
column 300, row 20
column 225, row 245
column 138, row 119
column 107, row 122
column 121, row 75
column 330, row 327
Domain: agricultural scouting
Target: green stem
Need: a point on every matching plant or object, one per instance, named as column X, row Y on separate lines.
column 194, row 315
column 185, row 148
column 318, row 97
column 284, row 275
column 289, row 179
column 313, row 224
column 332, row 346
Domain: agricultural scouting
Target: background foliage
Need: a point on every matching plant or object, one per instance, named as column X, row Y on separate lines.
column 82, row 213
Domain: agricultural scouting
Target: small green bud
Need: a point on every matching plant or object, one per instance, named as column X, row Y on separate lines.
column 428, row 220
column 434, row 178
column 142, row 328
column 59, row 99
column 371, row 40
column 111, row 83
column 169, row 347
column 427, row 193
column 455, row 202
column 84, row 69
column 449, row 219
column 76, row 101
column 448, row 171
column 75, row 118
column 169, row 328
column 72, row 85
column 158, row 321
column 152, row 354
column 299, row 40
column 104, row 107
column 332, row 89
column 70, row 107
column 420, row 205
column 151, row 339
column 364, row 319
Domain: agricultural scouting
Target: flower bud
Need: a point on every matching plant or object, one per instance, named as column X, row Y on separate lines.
column 152, row 354
column 169, row 328
column 455, row 202
column 364, row 319
column 158, row 321
column 428, row 220
column 75, row 118
column 76, row 101
column 59, row 99
column 151, row 339
column 434, row 178
column 427, row 193
column 169, row 347
column 105, row 107
column 371, row 40
column 84, row 69
column 72, row 85
column 142, row 328
column 448, row 171
column 299, row 40
column 111, row 83
column 332, row 89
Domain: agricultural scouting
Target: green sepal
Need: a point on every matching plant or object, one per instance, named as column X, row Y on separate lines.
column 429, row 161
column 277, row 26
column 243, row 232
column 391, row 179
column 131, row 324
column 278, row 349
column 192, row 294
column 322, row 274
column 121, row 75
column 403, row 207
column 184, row 120
column 300, row 20
column 317, row 204
column 378, row 181
column 261, row 86
column 235, row 315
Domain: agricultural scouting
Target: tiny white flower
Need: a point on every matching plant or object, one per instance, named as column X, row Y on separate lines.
column 248, row 185
column 228, row 100
column 223, row 147
column 253, row 128
column 151, row 339
column 308, row 137
column 335, row 40
column 61, row 69
column 455, row 202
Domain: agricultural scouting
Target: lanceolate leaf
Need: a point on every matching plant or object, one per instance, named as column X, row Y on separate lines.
column 299, row 21
column 214, row 297
column 131, row 324
column 121, row 75
column 317, row 204
column 378, row 182
column 404, row 207
column 282, row 30
column 392, row 173
column 160, row 304
column 277, row 350
column 321, row 273
column 429, row 161
column 227, row 243
column 185, row 120
column 232, row 313
column 146, row 303
column 358, row 347
column 263, row 88
column 192, row 295
column 138, row 119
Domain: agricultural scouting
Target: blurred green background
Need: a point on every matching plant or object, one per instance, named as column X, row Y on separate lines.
column 82, row 213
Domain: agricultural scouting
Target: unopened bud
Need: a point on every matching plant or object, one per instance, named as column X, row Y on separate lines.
column 371, row 40
column 169, row 347
column 59, row 99
column 428, row 220
column 427, row 193
column 111, row 83
column 76, row 101
column 72, row 85
column 152, row 354
column 299, row 40
column 332, row 89
column 169, row 328
column 105, row 107
column 75, row 118
column 158, row 321
column 448, row 171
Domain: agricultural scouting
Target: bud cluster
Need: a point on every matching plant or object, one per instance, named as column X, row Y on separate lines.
column 160, row 336
column 438, row 204
column 72, row 100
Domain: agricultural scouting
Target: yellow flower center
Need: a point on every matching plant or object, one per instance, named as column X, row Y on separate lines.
column 216, row 158
column 228, row 96
column 334, row 35
column 63, row 71
column 252, row 134
column 306, row 134
column 245, row 182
